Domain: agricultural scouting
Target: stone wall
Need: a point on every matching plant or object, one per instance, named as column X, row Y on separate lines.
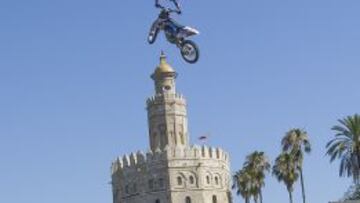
column 172, row 175
column 204, row 175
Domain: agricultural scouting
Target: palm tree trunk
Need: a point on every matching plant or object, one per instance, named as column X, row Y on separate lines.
column 247, row 200
column 302, row 184
column 290, row 196
column 356, row 173
column 260, row 195
column 255, row 199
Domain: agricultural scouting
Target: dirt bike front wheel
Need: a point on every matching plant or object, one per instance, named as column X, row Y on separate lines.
column 189, row 51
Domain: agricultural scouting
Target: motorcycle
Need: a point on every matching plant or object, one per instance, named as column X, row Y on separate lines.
column 175, row 34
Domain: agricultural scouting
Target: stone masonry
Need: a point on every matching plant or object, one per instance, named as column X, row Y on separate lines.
column 173, row 171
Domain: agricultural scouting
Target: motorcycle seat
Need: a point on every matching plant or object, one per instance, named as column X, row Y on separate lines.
column 175, row 24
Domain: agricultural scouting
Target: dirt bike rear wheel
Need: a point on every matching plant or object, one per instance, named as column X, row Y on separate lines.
column 189, row 51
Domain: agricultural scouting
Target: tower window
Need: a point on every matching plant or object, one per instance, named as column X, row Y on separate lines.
column 208, row 179
column 216, row 180
column 173, row 140
column 157, row 201
column 214, row 199
column 167, row 87
column 191, row 179
column 179, row 180
column 151, row 183
column 161, row 183
column 187, row 200
column 135, row 187
column 182, row 139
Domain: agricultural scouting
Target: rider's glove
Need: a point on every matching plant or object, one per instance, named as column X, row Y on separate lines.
column 157, row 5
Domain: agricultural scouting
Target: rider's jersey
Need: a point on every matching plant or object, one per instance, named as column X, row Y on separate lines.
column 167, row 4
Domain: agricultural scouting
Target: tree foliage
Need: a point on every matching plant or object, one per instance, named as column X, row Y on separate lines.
column 346, row 147
column 285, row 170
column 250, row 180
column 296, row 142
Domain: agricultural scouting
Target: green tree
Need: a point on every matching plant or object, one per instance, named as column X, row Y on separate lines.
column 242, row 184
column 296, row 143
column 346, row 146
column 353, row 193
column 258, row 165
column 285, row 170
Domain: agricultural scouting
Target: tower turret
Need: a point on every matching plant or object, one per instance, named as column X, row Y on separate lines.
column 167, row 116
column 173, row 171
column 164, row 77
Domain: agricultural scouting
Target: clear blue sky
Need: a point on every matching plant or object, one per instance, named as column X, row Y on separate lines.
column 74, row 76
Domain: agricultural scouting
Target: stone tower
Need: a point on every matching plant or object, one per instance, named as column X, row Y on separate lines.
column 173, row 171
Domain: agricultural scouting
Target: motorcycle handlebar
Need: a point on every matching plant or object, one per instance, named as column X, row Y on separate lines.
column 169, row 10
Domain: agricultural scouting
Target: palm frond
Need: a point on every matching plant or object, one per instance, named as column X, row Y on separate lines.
column 346, row 146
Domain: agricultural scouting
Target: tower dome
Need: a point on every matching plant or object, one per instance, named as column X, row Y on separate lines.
column 164, row 77
column 163, row 68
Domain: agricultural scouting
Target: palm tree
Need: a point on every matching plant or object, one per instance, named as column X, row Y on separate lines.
column 346, row 146
column 285, row 171
column 255, row 183
column 257, row 164
column 296, row 142
column 242, row 183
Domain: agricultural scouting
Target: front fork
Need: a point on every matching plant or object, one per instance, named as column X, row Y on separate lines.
column 154, row 30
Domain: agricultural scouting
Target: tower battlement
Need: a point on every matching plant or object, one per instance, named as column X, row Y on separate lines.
column 135, row 160
column 141, row 159
column 160, row 98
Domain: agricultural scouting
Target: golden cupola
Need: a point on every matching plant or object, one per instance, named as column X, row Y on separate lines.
column 164, row 77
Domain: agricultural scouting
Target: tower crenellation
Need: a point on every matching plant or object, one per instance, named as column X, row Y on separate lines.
column 139, row 158
column 160, row 98
column 173, row 170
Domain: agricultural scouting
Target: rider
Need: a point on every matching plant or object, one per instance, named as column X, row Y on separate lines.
column 174, row 25
column 176, row 3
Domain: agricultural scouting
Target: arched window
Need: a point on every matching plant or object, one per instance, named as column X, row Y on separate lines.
column 217, row 180
column 134, row 187
column 173, row 138
column 151, row 183
column 188, row 200
column 208, row 179
column 155, row 141
column 214, row 199
column 191, row 179
column 179, row 180
column 161, row 183
column 182, row 138
column 157, row 201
